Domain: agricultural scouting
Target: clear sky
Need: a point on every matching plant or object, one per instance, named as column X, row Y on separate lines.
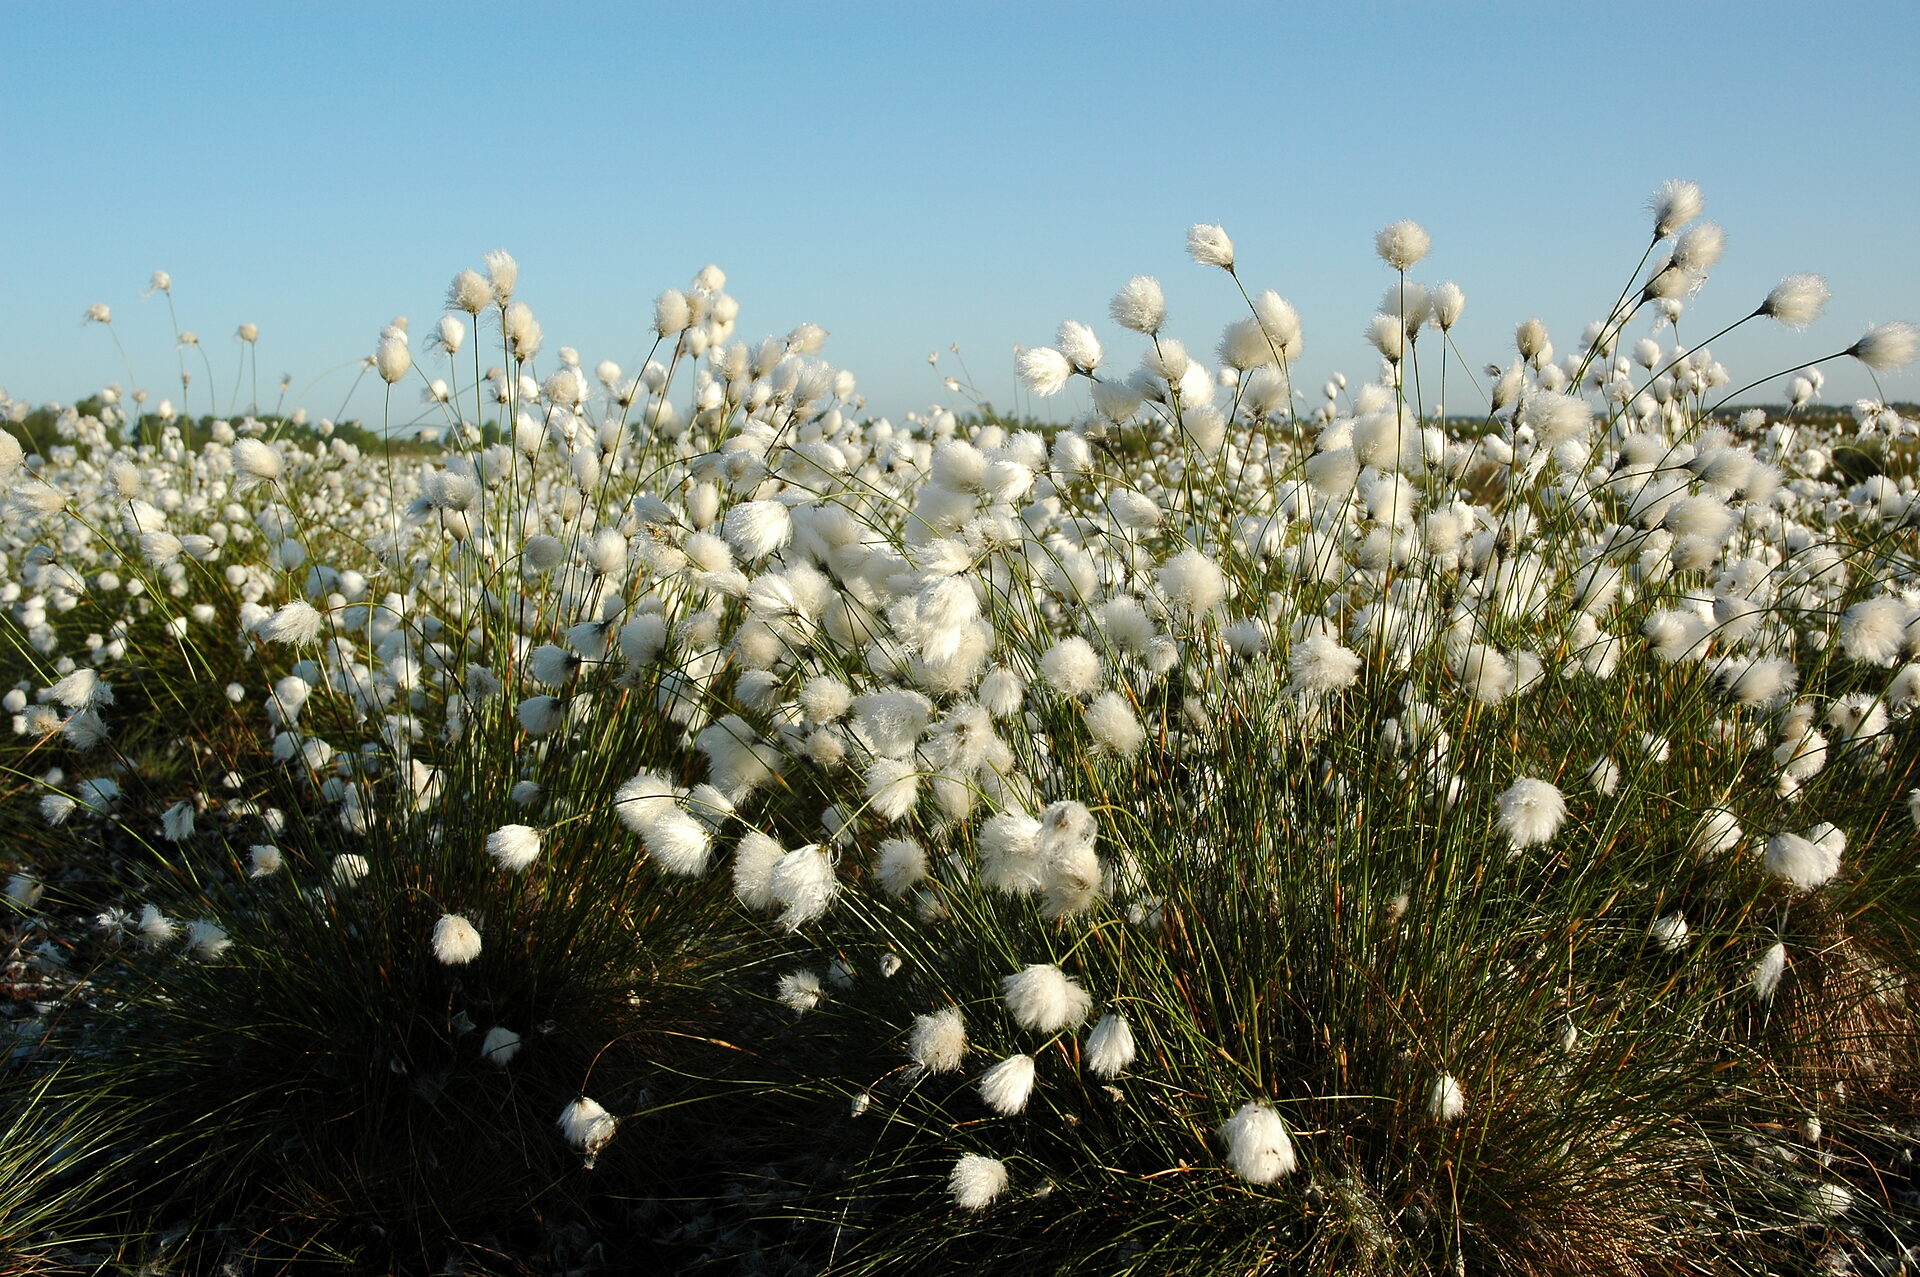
column 912, row 175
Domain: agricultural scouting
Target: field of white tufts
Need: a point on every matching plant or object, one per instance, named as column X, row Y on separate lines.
column 672, row 818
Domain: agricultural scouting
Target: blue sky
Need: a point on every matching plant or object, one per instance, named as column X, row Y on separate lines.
column 914, row 176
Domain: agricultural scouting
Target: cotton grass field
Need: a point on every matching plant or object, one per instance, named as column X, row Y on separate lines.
column 672, row 821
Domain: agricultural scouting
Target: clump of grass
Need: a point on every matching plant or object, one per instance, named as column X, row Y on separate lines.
column 1211, row 836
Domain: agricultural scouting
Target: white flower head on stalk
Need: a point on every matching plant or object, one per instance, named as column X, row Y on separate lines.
column 455, row 940
column 938, row 1042
column 1531, row 812
column 1209, row 246
column 1008, row 1085
column 1110, row 1047
column 1888, row 346
column 1446, row 1102
column 1140, row 306
column 294, row 624
column 1402, row 244
column 514, row 847
column 1044, row 370
column 1045, row 999
column 1764, row 980
column 1796, row 301
column 1676, row 203
column 587, row 1127
column 1258, row 1147
column 1077, row 342
column 975, row 1181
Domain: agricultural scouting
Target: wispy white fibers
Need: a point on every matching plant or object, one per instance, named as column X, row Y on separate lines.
column 1531, row 811
column 1110, row 1046
column 975, row 1181
column 1045, row 999
column 1007, row 1086
column 587, row 1127
column 455, row 940
column 1258, row 1147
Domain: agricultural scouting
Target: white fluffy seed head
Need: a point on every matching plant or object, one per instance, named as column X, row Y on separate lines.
column 256, row 460
column 499, row 1046
column 1803, row 862
column 756, row 529
column 1044, row 370
column 1796, row 301
column 514, row 847
column 455, row 940
column 587, row 1127
column 679, row 843
column 1113, row 725
column 1209, row 246
column 1531, row 812
column 1072, row 667
column 1446, row 1102
column 1008, row 1085
column 1676, row 203
column 938, row 1042
column 803, row 882
column 1888, row 346
column 975, row 1181
column 1045, row 999
column 1402, row 244
column 1764, row 980
column 1258, row 1147
column 1191, row 583
column 754, row 859
column 1110, row 1046
column 1140, row 305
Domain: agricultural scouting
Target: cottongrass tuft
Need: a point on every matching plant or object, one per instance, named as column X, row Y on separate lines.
column 1764, row 980
column 456, row 941
column 938, row 1042
column 1045, row 999
column 1887, row 347
column 801, row 990
column 1258, row 1147
column 1796, row 301
column 1531, row 812
column 1209, row 245
column 500, row 1045
column 1402, row 244
column 1110, row 1046
column 1801, row 861
column 1007, row 1086
column 1140, row 305
column 1446, row 1102
column 587, row 1127
column 514, row 847
column 803, row 882
column 975, row 1181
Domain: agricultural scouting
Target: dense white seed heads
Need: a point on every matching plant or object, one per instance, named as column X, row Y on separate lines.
column 1140, row 306
column 1209, row 246
column 1258, row 1147
column 1402, row 244
column 1796, row 301
column 1045, row 999
column 587, row 1127
column 1007, row 1086
column 514, row 847
column 1531, row 812
column 975, row 1181
column 938, row 1042
column 1110, row 1046
column 1673, row 205
column 455, row 940
column 1887, row 347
